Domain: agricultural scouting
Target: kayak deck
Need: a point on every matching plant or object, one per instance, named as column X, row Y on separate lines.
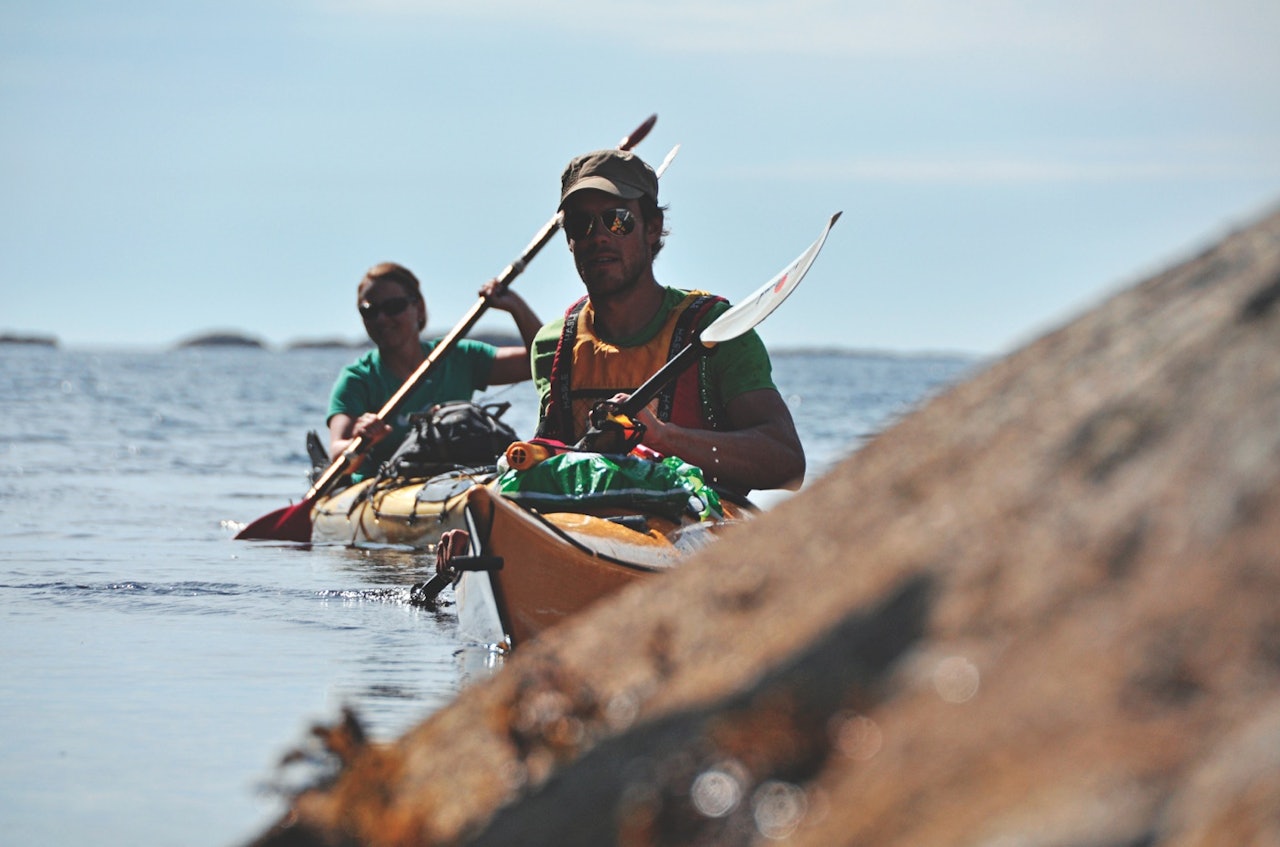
column 404, row 512
column 554, row 565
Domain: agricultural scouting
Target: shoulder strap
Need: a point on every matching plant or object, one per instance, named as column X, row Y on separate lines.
column 558, row 417
column 688, row 322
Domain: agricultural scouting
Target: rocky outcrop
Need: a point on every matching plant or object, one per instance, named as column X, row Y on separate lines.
column 1042, row 610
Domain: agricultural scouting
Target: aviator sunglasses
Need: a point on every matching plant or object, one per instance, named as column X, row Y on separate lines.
column 390, row 307
column 620, row 222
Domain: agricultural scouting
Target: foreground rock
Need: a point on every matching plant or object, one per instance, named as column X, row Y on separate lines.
column 1044, row 610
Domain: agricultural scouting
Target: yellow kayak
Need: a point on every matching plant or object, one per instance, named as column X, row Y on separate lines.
column 403, row 512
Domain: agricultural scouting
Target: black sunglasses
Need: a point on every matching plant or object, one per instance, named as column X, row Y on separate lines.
column 390, row 307
column 620, row 222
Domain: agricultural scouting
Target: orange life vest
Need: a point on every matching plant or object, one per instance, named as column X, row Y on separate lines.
column 587, row 370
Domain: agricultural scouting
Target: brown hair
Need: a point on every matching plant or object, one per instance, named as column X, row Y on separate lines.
column 401, row 276
column 649, row 209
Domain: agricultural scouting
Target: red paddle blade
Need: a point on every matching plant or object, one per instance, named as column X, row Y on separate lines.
column 292, row 523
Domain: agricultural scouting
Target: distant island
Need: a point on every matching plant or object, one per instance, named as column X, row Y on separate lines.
column 32, row 340
column 221, row 339
column 868, row 353
column 240, row 340
column 328, row 344
column 497, row 339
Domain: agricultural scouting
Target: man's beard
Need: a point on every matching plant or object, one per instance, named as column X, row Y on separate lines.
column 610, row 281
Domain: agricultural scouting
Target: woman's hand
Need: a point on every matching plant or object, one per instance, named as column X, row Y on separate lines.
column 371, row 428
column 503, row 299
column 343, row 430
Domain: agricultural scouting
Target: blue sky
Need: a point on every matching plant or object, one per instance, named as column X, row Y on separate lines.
column 174, row 168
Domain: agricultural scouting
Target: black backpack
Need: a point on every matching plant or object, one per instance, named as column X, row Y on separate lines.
column 461, row 434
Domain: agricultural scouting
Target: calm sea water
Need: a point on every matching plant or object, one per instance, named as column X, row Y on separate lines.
column 153, row 670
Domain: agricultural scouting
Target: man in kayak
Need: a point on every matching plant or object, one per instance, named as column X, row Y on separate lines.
column 391, row 305
column 724, row 414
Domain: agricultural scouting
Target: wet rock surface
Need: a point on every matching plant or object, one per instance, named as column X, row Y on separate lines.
column 1044, row 609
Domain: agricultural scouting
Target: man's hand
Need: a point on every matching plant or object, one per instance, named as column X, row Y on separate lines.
column 452, row 543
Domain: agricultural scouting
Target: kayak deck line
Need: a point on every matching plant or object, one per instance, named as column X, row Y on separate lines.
column 412, row 512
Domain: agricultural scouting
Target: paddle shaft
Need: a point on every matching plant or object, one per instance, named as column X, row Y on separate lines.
column 293, row 523
column 653, row 386
column 523, row 455
column 350, row 458
column 732, row 323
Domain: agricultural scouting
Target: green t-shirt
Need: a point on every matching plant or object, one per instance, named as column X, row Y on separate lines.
column 738, row 366
column 367, row 384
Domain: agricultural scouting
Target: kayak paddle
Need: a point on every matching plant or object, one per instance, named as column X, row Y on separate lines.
column 735, row 321
column 293, row 523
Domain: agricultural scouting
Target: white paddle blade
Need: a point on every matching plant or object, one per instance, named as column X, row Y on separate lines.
column 666, row 163
column 745, row 315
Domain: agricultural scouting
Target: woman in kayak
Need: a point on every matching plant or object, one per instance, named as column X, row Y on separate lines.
column 390, row 302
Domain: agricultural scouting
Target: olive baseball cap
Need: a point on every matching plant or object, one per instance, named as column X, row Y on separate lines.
column 617, row 172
